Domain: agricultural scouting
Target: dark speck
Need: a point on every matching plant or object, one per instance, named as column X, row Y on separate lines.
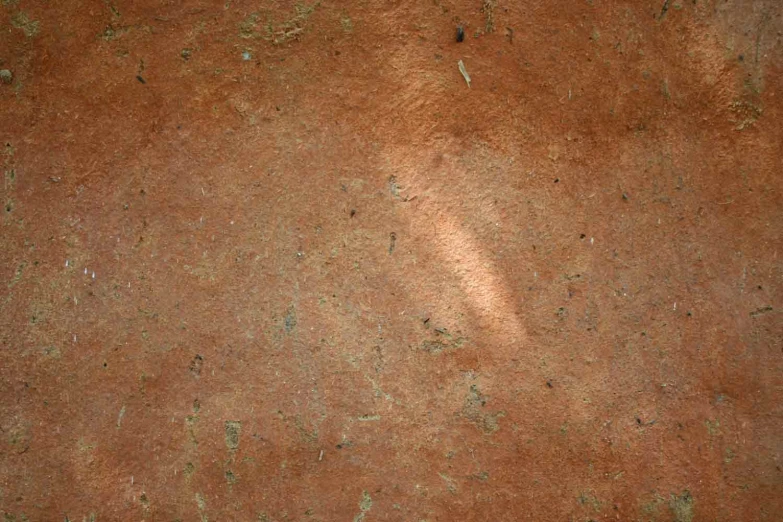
column 353, row 212
column 557, row 180
column 549, row 384
column 141, row 80
column 741, row 57
column 460, row 33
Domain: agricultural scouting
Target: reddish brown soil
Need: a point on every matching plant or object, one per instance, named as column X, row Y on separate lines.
column 329, row 281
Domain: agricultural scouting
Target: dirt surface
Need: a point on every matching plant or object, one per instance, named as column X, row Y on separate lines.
column 280, row 261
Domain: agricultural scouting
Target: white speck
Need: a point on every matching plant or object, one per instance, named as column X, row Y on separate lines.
column 232, row 222
column 85, row 271
column 131, row 480
column 93, row 275
column 75, row 300
column 74, row 337
column 592, row 240
column 321, row 456
column 246, row 56
column 535, row 274
column 675, row 305
column 67, row 262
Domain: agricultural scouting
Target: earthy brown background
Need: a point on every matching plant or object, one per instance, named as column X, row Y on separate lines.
column 276, row 261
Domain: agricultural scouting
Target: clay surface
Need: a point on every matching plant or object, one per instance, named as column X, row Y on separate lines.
column 281, row 261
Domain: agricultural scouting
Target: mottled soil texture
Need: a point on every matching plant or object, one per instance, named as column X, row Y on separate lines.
column 280, row 261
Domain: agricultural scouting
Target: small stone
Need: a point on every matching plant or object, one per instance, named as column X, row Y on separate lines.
column 6, row 76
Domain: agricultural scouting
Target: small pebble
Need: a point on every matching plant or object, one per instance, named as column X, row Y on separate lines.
column 6, row 76
column 246, row 56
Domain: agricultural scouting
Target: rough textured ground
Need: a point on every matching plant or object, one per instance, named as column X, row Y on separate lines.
column 279, row 262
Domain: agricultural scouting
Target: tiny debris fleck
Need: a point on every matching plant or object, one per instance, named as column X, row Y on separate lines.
column 761, row 311
column 246, row 56
column 233, row 429
column 195, row 365
column 321, row 456
column 368, row 418
column 141, row 80
column 460, row 33
column 464, row 72
column 664, row 9
column 6, row 76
